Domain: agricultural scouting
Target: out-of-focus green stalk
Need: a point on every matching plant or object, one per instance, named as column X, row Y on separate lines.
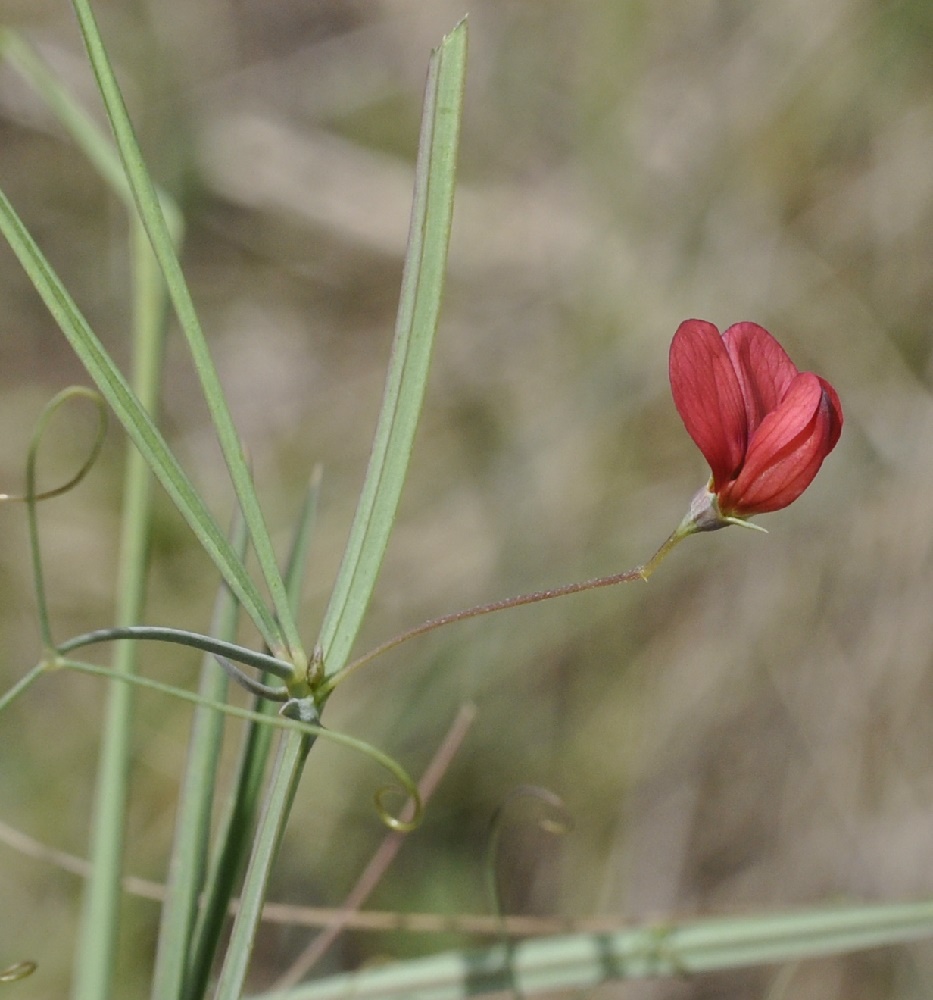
column 581, row 962
column 95, row 955
column 81, row 128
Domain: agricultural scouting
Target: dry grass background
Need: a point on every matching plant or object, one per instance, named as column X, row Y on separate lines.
column 751, row 730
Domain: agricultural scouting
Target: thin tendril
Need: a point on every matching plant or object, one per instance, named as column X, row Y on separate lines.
column 19, row 970
column 285, row 721
column 75, row 391
column 31, row 497
column 380, row 861
column 21, row 685
column 639, row 573
column 557, row 821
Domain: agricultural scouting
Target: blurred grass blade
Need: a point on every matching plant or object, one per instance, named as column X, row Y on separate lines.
column 419, row 308
column 195, row 805
column 236, row 828
column 100, row 919
column 296, row 565
column 584, row 961
column 135, row 419
column 422, row 284
column 95, row 144
column 284, row 631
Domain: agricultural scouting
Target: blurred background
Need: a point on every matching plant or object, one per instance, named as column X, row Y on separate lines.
column 751, row 730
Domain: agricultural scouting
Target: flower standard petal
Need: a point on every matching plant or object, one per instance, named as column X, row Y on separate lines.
column 708, row 397
column 763, row 368
column 787, row 450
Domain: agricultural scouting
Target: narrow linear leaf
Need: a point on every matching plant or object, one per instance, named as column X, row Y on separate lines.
column 418, row 313
column 150, row 212
column 419, row 309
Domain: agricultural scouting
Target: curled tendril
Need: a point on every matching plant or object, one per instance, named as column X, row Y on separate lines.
column 19, row 970
column 414, row 806
column 300, row 714
column 305, row 710
column 73, row 392
column 555, row 819
column 32, row 496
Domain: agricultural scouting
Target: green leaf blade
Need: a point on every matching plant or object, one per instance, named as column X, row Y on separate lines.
column 419, row 309
column 284, row 627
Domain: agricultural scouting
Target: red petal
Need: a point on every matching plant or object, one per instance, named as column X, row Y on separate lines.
column 763, row 368
column 835, row 413
column 787, row 450
column 708, row 397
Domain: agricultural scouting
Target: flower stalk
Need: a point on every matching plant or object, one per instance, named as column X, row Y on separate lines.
column 764, row 427
column 642, row 572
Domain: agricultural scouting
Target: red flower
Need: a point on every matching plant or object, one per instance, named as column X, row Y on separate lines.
column 763, row 426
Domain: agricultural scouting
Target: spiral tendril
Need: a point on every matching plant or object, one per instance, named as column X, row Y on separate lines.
column 19, row 970
column 556, row 820
column 66, row 395
column 413, row 805
column 32, row 496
